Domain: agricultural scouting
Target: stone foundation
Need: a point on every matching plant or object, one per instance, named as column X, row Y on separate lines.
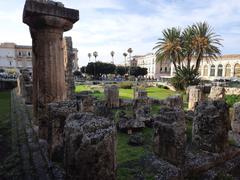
column 90, row 147
column 169, row 135
column 210, row 126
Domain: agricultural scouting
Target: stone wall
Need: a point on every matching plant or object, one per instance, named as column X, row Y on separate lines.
column 195, row 96
column 169, row 135
column 57, row 114
column 232, row 91
column 90, row 147
column 68, row 65
column 210, row 126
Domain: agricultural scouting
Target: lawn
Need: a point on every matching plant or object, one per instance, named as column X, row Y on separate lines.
column 154, row 92
column 5, row 125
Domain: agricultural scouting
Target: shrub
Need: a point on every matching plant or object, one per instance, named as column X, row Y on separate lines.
column 185, row 77
column 232, row 99
column 125, row 85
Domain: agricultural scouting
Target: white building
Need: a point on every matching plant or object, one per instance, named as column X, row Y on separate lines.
column 226, row 66
column 16, row 57
column 155, row 69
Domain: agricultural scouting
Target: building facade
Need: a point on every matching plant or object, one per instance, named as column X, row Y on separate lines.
column 15, row 57
column 224, row 67
column 156, row 70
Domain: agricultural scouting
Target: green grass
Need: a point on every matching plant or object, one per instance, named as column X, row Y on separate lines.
column 5, row 105
column 154, row 92
column 159, row 93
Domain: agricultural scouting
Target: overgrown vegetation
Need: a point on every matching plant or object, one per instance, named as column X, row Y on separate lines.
column 232, row 99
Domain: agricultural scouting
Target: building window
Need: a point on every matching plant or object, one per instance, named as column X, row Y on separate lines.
column 205, row 70
column 200, row 71
column 212, row 70
column 19, row 53
column 220, row 70
column 237, row 70
column 228, row 70
column 165, row 69
column 29, row 54
column 161, row 69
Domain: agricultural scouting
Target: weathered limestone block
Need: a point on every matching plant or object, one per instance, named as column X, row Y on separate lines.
column 112, row 96
column 217, row 93
column 90, row 147
column 129, row 124
column 140, row 93
column 28, row 93
column 195, row 96
column 87, row 103
column 57, row 115
column 169, row 136
column 236, row 118
column 175, row 101
column 68, row 66
column 144, row 114
column 47, row 23
column 211, row 125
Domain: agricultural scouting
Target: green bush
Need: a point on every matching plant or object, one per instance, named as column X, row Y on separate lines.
column 232, row 99
column 125, row 85
column 185, row 77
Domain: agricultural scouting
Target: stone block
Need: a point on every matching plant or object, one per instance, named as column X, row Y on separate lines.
column 112, row 96
column 90, row 147
column 236, row 118
column 195, row 96
column 217, row 93
column 169, row 135
column 210, row 126
column 175, row 101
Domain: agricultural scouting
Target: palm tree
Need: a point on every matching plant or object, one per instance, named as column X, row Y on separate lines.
column 95, row 54
column 130, row 53
column 205, row 43
column 169, row 47
column 89, row 56
column 112, row 54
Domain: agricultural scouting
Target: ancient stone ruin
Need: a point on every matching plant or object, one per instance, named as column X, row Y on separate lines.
column 47, row 22
column 68, row 66
column 25, row 86
column 195, row 96
column 217, row 93
column 236, row 118
column 112, row 96
column 210, row 126
column 90, row 147
column 169, row 135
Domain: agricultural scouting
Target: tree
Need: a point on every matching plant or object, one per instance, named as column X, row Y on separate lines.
column 83, row 69
column 121, row 70
column 89, row 56
column 193, row 43
column 138, row 71
column 77, row 73
column 169, row 47
column 97, row 69
column 130, row 57
column 205, row 43
column 95, row 54
column 112, row 54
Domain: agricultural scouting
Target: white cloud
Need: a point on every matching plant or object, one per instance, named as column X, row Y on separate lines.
column 108, row 25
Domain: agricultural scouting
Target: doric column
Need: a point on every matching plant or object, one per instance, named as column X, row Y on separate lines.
column 47, row 22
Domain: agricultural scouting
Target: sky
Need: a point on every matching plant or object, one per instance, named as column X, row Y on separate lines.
column 116, row 25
